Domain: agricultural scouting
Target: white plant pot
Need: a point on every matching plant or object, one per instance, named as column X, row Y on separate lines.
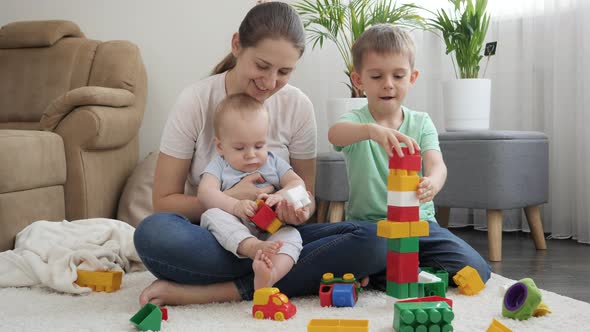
column 335, row 107
column 467, row 104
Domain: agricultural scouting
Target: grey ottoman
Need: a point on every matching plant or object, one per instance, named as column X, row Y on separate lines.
column 331, row 186
column 496, row 170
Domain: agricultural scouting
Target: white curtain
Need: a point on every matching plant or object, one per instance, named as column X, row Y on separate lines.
column 540, row 79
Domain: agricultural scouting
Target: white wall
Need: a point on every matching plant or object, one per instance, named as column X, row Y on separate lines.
column 180, row 42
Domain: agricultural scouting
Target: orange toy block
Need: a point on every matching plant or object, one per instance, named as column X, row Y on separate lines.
column 419, row 228
column 100, row 281
column 468, row 281
column 393, row 230
column 402, row 180
column 338, row 325
column 497, row 326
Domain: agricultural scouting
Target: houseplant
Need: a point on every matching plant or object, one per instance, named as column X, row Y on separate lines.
column 342, row 22
column 463, row 29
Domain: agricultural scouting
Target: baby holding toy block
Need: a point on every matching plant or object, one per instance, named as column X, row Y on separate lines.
column 383, row 58
column 241, row 126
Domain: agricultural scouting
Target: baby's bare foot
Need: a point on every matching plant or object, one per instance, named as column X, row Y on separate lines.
column 269, row 248
column 263, row 270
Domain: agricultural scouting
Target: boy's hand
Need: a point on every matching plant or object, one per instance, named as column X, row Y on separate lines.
column 390, row 138
column 245, row 209
column 271, row 199
column 426, row 190
column 287, row 213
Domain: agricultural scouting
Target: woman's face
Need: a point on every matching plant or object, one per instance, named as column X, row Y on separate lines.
column 264, row 69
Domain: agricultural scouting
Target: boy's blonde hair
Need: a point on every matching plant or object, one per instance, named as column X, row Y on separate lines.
column 383, row 39
column 240, row 104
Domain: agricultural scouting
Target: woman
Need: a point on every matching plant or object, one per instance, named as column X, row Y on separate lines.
column 189, row 263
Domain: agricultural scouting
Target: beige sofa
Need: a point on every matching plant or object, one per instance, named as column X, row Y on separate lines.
column 70, row 112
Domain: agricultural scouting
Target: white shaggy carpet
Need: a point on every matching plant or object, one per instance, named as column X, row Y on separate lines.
column 40, row 309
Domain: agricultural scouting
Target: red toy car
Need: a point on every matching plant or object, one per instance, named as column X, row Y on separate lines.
column 270, row 303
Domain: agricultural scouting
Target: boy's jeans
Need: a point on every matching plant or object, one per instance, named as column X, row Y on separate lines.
column 174, row 249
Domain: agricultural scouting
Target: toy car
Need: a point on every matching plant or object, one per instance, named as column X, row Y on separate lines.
column 339, row 292
column 269, row 302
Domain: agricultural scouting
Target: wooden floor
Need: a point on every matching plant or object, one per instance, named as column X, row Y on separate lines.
column 563, row 268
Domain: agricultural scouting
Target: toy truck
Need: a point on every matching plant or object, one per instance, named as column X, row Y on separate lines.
column 269, row 302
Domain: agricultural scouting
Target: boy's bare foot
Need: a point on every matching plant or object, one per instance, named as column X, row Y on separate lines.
column 250, row 246
column 162, row 292
column 263, row 270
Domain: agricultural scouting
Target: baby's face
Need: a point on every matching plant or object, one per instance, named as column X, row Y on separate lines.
column 242, row 141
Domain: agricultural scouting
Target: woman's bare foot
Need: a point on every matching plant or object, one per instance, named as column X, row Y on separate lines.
column 250, row 246
column 364, row 282
column 162, row 292
column 263, row 270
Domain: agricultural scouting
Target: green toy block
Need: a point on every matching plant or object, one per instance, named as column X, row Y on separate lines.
column 148, row 318
column 407, row 244
column 423, row 316
column 401, row 291
column 521, row 300
column 442, row 274
column 431, row 289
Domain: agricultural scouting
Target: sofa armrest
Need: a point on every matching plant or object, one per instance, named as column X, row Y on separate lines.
column 100, row 127
column 87, row 95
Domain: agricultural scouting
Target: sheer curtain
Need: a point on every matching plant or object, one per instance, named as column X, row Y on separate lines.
column 539, row 82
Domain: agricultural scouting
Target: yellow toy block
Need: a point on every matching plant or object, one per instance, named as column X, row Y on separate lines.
column 393, row 230
column 496, row 326
column 402, row 180
column 468, row 281
column 419, row 228
column 338, row 325
column 274, row 226
column 100, row 281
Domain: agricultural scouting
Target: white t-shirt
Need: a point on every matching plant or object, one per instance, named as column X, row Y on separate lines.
column 189, row 133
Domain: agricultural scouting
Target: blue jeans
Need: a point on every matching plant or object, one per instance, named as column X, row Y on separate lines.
column 173, row 248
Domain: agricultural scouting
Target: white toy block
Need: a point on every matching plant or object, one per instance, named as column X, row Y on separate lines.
column 402, row 198
column 425, row 277
column 298, row 197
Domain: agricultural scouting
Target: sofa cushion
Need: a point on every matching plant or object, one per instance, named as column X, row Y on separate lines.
column 31, row 159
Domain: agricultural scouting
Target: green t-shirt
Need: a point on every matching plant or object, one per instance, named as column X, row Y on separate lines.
column 367, row 165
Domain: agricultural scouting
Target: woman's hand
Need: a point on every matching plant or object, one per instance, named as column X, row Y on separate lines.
column 245, row 209
column 426, row 190
column 287, row 213
column 247, row 189
column 390, row 139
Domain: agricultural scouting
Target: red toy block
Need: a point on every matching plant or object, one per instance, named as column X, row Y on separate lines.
column 403, row 213
column 409, row 161
column 264, row 215
column 326, row 295
column 433, row 298
column 164, row 313
column 402, row 268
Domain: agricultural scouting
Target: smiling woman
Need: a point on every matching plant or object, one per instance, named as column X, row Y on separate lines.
column 191, row 265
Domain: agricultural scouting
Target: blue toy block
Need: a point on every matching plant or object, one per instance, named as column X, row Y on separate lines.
column 343, row 295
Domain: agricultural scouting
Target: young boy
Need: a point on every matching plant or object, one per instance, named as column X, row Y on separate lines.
column 383, row 59
column 241, row 125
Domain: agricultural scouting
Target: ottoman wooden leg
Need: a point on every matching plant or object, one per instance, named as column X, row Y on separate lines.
column 533, row 217
column 495, row 235
column 442, row 216
column 322, row 210
column 336, row 211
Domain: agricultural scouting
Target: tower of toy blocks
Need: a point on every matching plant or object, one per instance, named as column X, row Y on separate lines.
column 403, row 226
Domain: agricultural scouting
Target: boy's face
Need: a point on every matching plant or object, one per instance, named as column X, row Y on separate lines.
column 242, row 140
column 386, row 79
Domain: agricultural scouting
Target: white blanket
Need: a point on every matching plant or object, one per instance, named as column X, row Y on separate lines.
column 49, row 253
